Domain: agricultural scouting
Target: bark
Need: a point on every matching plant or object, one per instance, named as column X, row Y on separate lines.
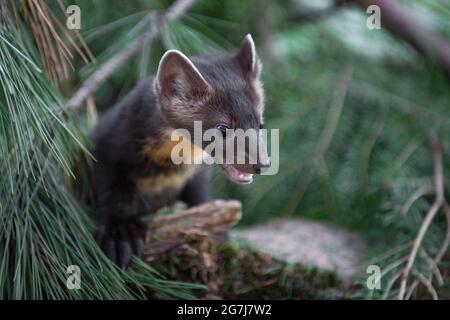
column 167, row 232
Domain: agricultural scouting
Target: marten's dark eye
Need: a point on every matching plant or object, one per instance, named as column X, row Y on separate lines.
column 261, row 126
column 223, row 129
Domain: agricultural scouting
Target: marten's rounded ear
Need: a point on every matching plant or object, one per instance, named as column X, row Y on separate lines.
column 179, row 79
column 248, row 59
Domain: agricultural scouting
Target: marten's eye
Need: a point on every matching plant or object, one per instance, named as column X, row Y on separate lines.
column 261, row 126
column 223, row 129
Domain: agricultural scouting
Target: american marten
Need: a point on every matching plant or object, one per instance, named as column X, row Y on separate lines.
column 134, row 173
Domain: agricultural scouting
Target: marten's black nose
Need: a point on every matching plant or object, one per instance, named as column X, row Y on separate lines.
column 258, row 167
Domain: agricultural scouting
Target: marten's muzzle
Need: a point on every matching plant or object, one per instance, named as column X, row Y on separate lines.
column 251, row 158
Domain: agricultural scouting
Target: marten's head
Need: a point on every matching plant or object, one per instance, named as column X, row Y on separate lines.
column 223, row 92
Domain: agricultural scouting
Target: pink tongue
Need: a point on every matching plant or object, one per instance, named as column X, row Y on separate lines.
column 245, row 176
column 239, row 175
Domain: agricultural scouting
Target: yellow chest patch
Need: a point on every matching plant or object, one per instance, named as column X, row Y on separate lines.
column 160, row 150
column 168, row 181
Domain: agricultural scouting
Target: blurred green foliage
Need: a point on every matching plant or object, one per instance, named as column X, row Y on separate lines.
column 378, row 153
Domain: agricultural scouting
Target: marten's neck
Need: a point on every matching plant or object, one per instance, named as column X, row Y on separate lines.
column 159, row 145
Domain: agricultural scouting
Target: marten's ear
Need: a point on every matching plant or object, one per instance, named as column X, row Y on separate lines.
column 179, row 81
column 248, row 59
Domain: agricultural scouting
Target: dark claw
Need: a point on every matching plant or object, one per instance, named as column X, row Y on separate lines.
column 109, row 247
column 125, row 253
column 121, row 239
column 139, row 247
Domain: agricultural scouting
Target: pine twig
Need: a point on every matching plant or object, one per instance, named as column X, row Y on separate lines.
column 437, row 204
column 419, row 193
column 427, row 284
column 444, row 247
column 311, row 15
column 174, row 12
column 318, row 154
column 397, row 19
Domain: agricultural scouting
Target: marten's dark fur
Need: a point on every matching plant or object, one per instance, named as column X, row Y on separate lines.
column 134, row 174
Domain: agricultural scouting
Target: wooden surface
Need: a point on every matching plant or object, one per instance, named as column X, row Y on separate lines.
column 167, row 232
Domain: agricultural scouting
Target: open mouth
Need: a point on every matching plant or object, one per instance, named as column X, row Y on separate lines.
column 236, row 175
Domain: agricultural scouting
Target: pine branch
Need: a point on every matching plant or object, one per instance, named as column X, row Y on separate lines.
column 318, row 154
column 43, row 228
column 438, row 203
column 178, row 9
column 399, row 21
column 303, row 16
column 442, row 251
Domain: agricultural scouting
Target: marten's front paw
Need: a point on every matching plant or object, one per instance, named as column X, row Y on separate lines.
column 121, row 239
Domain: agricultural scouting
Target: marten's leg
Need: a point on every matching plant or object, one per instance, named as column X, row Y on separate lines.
column 120, row 232
column 198, row 189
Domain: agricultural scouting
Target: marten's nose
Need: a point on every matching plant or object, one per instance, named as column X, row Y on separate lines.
column 260, row 166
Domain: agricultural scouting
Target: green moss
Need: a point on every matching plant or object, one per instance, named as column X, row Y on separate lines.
column 239, row 272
